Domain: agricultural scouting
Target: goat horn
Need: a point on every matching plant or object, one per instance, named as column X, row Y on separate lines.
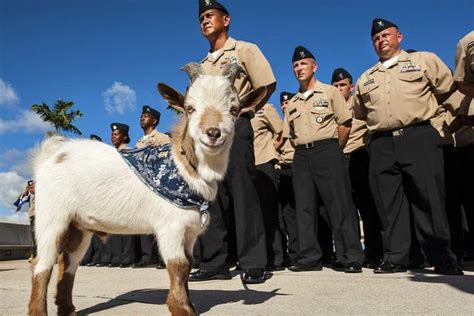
column 231, row 72
column 194, row 70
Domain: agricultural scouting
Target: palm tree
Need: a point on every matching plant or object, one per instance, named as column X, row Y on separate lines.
column 59, row 116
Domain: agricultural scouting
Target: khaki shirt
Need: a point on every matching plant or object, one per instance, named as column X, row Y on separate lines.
column 287, row 152
column 257, row 72
column 462, row 73
column 154, row 138
column 403, row 94
column 358, row 138
column 266, row 125
column 317, row 117
column 31, row 206
column 123, row 146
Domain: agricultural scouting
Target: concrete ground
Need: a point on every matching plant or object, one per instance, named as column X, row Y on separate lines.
column 115, row 291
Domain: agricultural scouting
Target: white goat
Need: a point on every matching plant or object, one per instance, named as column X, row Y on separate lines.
column 84, row 186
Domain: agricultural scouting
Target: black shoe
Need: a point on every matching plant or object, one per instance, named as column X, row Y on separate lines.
column 416, row 264
column 254, row 276
column 142, row 264
column 388, row 267
column 125, row 265
column 101, row 264
column 274, row 268
column 372, row 263
column 160, row 266
column 299, row 267
column 113, row 265
column 449, row 269
column 338, row 266
column 203, row 275
column 90, row 264
column 353, row 267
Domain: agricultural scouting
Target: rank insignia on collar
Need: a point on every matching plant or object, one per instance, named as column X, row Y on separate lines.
column 319, row 119
column 369, row 82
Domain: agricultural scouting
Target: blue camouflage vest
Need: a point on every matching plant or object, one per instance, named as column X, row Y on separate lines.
column 154, row 165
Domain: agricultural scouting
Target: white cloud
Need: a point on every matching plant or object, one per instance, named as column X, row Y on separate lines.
column 18, row 161
column 27, row 121
column 11, row 184
column 119, row 98
column 8, row 95
column 16, row 218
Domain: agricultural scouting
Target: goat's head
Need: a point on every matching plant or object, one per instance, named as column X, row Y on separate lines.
column 211, row 106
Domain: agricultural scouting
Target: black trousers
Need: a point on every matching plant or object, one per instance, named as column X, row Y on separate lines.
column 237, row 207
column 464, row 161
column 267, row 180
column 33, row 236
column 408, row 170
column 358, row 163
column 321, row 171
column 148, row 249
column 122, row 249
column 286, row 197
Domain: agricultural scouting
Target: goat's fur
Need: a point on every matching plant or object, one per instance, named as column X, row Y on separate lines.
column 84, row 186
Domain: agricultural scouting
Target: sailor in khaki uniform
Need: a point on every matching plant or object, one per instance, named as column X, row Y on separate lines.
column 237, row 194
column 357, row 159
column 267, row 127
column 149, row 120
column 464, row 66
column 318, row 122
column 397, row 98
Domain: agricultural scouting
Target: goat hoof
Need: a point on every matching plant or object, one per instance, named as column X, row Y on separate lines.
column 185, row 310
column 69, row 310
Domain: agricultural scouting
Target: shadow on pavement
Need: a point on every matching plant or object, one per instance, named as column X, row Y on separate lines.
column 204, row 300
column 462, row 283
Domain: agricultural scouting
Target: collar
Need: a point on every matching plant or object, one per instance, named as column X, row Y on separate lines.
column 229, row 45
column 318, row 88
column 403, row 57
column 145, row 137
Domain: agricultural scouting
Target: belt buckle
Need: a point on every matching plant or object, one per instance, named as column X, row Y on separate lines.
column 398, row 132
column 309, row 145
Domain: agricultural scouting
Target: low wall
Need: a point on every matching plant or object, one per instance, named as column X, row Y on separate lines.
column 15, row 241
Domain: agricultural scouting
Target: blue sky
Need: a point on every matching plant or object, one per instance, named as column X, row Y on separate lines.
column 107, row 56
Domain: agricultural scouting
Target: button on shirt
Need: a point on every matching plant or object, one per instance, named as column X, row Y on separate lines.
column 154, row 138
column 257, row 72
column 358, row 138
column 402, row 94
column 266, row 125
column 317, row 116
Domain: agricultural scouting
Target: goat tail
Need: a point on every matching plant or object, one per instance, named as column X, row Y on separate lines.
column 45, row 150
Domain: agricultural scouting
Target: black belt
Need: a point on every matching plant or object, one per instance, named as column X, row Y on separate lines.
column 399, row 131
column 316, row 143
column 285, row 165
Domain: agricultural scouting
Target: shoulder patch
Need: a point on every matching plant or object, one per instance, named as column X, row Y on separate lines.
column 369, row 82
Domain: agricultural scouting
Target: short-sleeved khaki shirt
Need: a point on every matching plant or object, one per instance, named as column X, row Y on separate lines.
column 31, row 206
column 266, row 125
column 403, row 94
column 154, row 138
column 358, row 137
column 257, row 72
column 287, row 152
column 317, row 116
column 462, row 73
column 440, row 123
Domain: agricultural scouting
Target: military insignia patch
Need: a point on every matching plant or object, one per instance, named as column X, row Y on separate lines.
column 319, row 119
column 368, row 82
column 229, row 60
column 410, row 67
column 321, row 103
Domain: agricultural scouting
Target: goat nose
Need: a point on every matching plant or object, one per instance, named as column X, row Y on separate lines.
column 213, row 133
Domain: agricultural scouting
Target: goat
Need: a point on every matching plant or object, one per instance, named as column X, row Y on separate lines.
column 84, row 186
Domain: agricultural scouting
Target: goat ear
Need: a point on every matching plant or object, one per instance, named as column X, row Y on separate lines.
column 252, row 100
column 173, row 97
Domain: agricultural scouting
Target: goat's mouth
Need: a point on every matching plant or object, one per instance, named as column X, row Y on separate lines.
column 212, row 145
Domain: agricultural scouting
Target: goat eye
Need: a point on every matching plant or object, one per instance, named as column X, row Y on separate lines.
column 233, row 111
column 189, row 109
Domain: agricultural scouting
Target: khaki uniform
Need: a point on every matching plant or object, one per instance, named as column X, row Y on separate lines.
column 402, row 95
column 462, row 72
column 406, row 169
column 154, row 138
column 358, row 138
column 266, row 125
column 238, row 192
column 287, row 151
column 256, row 69
column 316, row 117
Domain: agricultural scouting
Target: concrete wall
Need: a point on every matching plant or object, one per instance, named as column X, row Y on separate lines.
column 15, row 241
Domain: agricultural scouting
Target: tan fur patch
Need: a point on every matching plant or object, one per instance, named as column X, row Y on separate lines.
column 178, row 296
column 210, row 118
column 39, row 293
column 61, row 157
column 183, row 146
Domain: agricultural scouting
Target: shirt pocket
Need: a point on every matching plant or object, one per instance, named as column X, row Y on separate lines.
column 320, row 114
column 411, row 82
column 370, row 94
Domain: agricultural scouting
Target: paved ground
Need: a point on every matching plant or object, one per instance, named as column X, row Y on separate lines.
column 115, row 291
